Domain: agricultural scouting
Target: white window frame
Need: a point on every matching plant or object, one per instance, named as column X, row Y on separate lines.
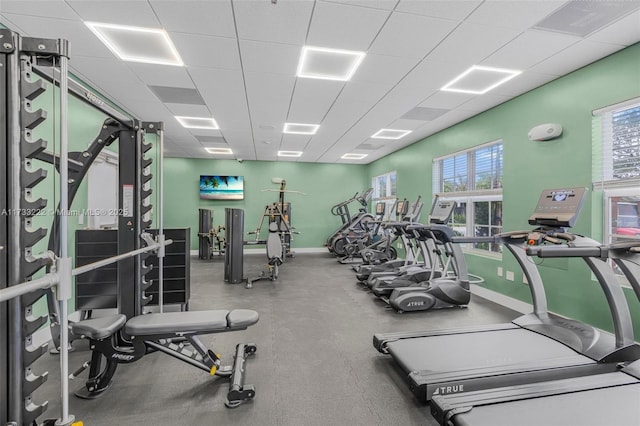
column 602, row 172
column 390, row 199
column 471, row 196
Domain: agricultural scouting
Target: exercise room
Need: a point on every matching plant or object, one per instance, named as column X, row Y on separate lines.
column 320, row 212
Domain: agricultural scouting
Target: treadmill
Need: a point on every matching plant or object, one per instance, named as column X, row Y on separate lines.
column 603, row 399
column 536, row 347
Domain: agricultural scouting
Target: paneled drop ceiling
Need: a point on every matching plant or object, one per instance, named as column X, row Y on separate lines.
column 240, row 60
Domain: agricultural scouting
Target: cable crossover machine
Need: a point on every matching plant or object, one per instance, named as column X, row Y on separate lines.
column 27, row 277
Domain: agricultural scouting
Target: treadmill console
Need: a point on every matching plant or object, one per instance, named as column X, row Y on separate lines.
column 558, row 207
column 441, row 212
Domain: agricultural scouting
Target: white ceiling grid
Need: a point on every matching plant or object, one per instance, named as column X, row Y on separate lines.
column 241, row 56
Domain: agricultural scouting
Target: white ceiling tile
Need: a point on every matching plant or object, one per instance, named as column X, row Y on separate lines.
column 269, row 97
column 447, row 100
column 121, row 12
column 57, row 9
column 237, row 137
column 626, row 31
column 294, row 142
column 424, row 79
column 574, row 57
column 252, row 107
column 376, row 4
column 517, row 85
column 223, row 91
column 183, row 110
column 262, row 85
column 340, row 26
column 285, row 22
column 521, row 14
column 383, row 69
column 312, row 99
column 127, row 86
column 150, row 111
column 214, row 18
column 529, row 48
column 207, row 51
column 404, row 124
column 269, row 57
column 82, row 42
column 484, row 102
column 448, row 9
column 365, row 93
column 411, row 36
column 472, row 43
column 161, row 75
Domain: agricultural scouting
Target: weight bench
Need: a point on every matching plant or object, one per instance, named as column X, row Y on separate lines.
column 173, row 333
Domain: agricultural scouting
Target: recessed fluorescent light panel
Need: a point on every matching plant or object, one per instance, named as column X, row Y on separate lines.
column 198, row 123
column 390, row 134
column 328, row 64
column 300, row 129
column 289, row 153
column 478, row 80
column 137, row 44
column 352, row 156
column 224, row 151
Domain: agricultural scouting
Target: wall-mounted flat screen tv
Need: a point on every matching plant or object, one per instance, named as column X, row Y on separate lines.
column 221, row 187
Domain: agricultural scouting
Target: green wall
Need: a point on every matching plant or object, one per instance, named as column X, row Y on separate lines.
column 530, row 167
column 84, row 124
column 324, row 185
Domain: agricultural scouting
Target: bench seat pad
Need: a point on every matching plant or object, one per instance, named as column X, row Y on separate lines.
column 190, row 322
column 98, row 328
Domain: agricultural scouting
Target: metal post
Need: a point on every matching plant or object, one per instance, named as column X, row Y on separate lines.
column 161, row 220
column 14, row 196
column 64, row 207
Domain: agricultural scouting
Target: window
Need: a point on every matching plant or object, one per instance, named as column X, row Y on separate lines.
column 616, row 169
column 384, row 189
column 473, row 178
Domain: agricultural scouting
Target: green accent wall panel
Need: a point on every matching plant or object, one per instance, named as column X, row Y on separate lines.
column 324, row 185
column 530, row 167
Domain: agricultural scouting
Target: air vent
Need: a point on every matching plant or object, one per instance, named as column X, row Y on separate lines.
column 581, row 18
column 177, row 95
column 368, row 147
column 424, row 113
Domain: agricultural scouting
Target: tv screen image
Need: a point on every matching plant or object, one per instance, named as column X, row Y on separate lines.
column 221, row 187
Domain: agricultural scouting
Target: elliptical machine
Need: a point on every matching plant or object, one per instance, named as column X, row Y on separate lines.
column 407, row 214
column 335, row 243
column 437, row 256
column 451, row 289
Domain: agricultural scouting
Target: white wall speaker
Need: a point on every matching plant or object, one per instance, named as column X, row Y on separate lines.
column 545, row 132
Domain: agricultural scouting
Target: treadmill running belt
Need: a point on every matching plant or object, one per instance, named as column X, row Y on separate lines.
column 455, row 352
column 615, row 406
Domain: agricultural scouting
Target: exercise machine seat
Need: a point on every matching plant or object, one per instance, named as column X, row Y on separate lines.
column 190, row 322
column 99, row 328
column 242, row 318
column 274, row 245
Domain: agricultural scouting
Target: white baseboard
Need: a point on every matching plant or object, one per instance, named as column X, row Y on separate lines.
column 501, row 299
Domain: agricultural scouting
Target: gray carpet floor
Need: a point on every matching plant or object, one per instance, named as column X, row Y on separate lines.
column 315, row 363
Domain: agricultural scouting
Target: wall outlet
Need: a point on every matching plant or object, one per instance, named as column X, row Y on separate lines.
column 510, row 276
column 81, row 219
column 399, row 245
column 524, row 280
column 500, row 271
